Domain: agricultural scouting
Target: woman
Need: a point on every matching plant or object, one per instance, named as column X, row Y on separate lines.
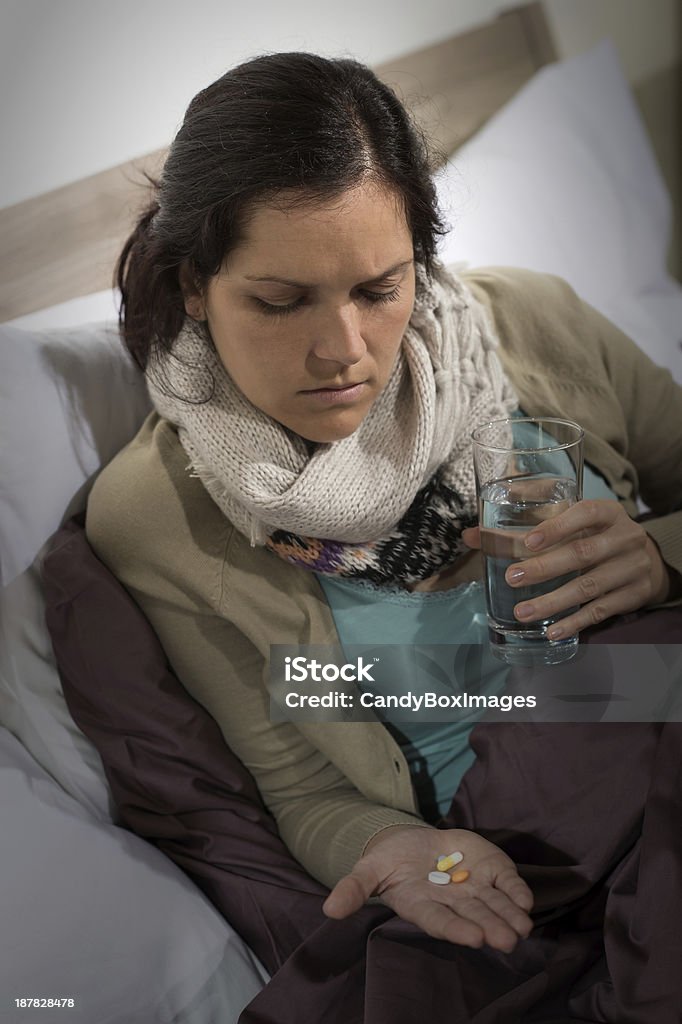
column 306, row 476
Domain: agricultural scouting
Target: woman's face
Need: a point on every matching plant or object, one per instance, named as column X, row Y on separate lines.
column 308, row 312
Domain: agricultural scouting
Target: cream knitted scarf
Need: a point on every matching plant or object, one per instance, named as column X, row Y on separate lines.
column 389, row 502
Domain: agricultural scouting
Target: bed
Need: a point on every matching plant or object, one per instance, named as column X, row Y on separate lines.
column 528, row 177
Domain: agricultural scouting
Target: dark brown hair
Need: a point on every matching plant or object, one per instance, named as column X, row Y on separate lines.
column 293, row 125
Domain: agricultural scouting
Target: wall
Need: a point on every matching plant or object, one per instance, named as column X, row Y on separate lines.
column 87, row 84
column 646, row 32
column 96, row 82
column 648, row 35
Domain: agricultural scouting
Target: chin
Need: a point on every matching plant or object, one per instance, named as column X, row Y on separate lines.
column 327, row 433
column 327, row 436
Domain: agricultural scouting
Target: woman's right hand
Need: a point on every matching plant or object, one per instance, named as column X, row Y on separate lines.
column 489, row 907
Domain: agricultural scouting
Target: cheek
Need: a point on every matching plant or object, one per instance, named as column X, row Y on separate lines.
column 244, row 350
column 262, row 365
column 394, row 328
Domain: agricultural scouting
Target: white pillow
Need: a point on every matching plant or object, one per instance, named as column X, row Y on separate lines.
column 69, row 400
column 93, row 913
column 563, row 180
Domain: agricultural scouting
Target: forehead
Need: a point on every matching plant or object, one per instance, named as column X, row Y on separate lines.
column 365, row 226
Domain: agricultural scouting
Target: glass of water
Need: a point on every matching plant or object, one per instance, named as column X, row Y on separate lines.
column 527, row 470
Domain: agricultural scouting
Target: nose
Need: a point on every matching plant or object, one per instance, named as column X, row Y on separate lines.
column 339, row 337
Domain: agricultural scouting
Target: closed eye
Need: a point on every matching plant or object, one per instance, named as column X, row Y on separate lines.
column 272, row 310
column 374, row 297
column 368, row 296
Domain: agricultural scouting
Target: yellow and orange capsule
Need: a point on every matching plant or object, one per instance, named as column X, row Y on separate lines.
column 443, row 864
column 449, row 861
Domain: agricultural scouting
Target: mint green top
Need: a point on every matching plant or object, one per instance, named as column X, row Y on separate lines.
column 438, row 753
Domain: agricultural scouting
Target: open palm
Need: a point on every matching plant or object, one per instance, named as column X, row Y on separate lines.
column 489, row 907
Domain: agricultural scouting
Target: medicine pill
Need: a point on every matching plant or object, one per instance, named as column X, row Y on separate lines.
column 459, row 876
column 439, row 877
column 445, row 863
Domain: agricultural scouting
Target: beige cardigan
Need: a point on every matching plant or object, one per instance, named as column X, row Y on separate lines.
column 216, row 603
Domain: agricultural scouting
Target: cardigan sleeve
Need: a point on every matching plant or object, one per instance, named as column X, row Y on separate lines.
column 652, row 408
column 170, row 555
column 322, row 817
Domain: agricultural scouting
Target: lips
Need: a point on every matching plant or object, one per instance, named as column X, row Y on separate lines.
column 338, row 394
column 336, row 387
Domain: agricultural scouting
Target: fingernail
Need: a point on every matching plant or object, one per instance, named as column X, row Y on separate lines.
column 554, row 632
column 514, row 575
column 534, row 540
column 525, row 611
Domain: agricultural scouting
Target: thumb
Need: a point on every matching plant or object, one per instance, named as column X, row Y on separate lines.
column 472, row 537
column 352, row 891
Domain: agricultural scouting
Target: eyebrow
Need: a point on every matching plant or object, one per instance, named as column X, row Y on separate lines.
column 300, row 284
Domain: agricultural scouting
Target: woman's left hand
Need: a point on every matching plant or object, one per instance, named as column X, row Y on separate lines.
column 621, row 567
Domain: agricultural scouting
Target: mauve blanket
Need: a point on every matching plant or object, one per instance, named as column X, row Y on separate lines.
column 590, row 812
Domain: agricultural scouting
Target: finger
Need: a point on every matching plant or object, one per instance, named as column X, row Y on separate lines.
column 617, row 576
column 497, row 932
column 443, row 921
column 584, row 515
column 508, row 881
column 627, row 540
column 507, row 910
column 351, row 892
column 617, row 602
column 561, row 560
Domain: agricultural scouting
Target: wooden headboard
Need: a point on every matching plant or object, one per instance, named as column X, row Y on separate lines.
column 64, row 244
